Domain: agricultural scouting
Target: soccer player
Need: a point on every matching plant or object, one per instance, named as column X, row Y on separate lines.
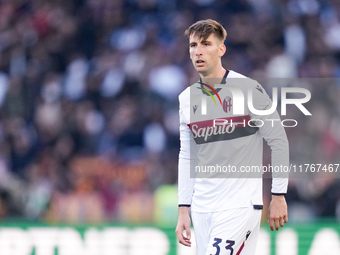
column 225, row 212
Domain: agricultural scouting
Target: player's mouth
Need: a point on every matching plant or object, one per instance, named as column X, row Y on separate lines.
column 200, row 63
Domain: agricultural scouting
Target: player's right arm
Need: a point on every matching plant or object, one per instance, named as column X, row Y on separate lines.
column 183, row 226
column 187, row 156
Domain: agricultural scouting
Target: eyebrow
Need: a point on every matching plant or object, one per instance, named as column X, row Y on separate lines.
column 202, row 42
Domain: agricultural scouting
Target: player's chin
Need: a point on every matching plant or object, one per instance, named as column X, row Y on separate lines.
column 200, row 69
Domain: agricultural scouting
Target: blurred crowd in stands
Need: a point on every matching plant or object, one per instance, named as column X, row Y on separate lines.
column 88, row 99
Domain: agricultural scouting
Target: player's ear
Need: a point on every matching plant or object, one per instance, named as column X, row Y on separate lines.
column 222, row 50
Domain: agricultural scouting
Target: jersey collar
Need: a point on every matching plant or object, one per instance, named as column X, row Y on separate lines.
column 223, row 81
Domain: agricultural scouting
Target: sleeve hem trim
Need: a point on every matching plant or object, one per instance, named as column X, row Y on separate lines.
column 278, row 194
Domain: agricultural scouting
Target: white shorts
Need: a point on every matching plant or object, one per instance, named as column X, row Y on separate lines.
column 230, row 232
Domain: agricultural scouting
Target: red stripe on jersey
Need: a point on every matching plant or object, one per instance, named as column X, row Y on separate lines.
column 236, row 121
column 220, row 129
column 215, row 92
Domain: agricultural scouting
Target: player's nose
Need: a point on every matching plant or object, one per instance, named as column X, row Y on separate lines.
column 198, row 50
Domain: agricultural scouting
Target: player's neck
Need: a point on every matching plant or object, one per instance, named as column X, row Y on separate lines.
column 213, row 77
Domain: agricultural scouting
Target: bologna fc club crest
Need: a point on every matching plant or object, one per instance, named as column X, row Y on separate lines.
column 227, row 104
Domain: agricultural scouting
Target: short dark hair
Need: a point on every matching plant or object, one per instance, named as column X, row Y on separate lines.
column 204, row 28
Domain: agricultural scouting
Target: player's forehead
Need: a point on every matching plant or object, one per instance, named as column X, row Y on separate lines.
column 198, row 38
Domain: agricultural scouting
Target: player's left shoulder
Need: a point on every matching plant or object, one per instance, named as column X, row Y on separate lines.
column 245, row 82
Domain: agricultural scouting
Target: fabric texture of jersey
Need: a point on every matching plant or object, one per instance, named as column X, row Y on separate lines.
column 207, row 141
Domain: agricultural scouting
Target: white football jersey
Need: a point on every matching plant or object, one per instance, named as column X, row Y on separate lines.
column 222, row 139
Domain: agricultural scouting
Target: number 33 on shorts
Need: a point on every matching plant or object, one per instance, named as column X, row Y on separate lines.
column 228, row 245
